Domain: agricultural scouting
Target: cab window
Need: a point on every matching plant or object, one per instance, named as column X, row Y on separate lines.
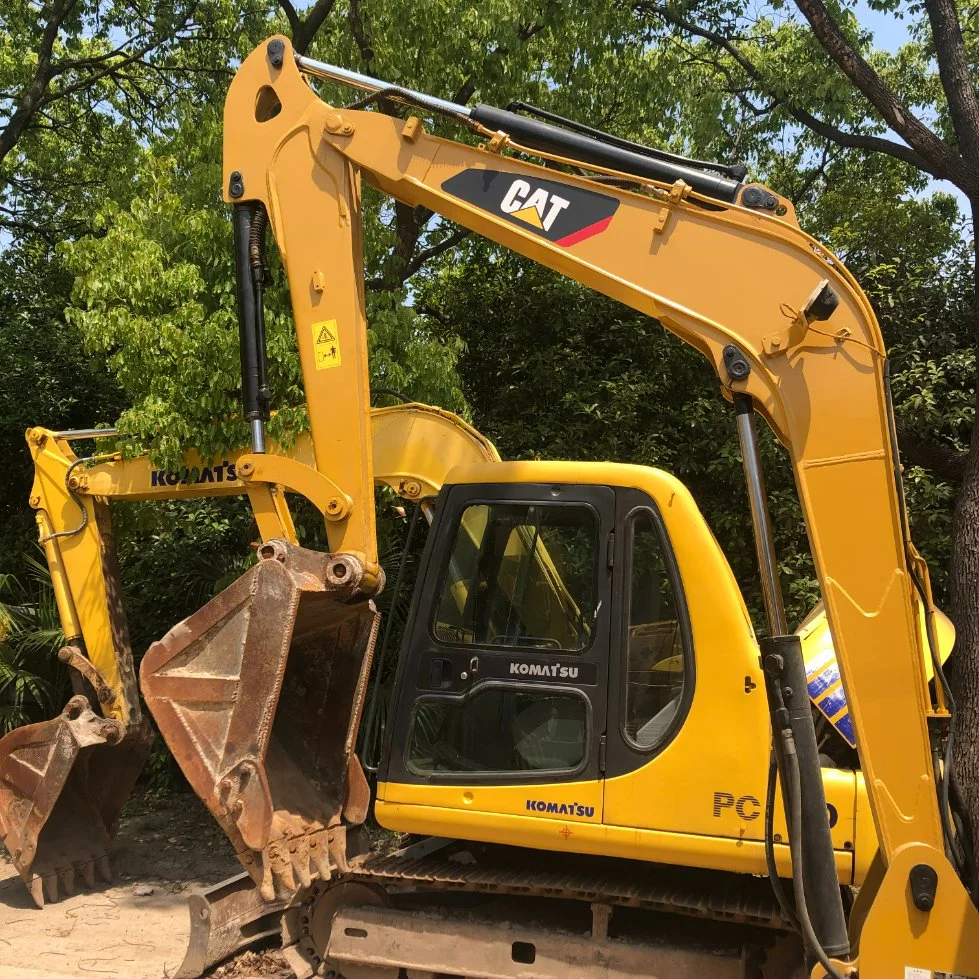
column 655, row 656
column 500, row 730
column 521, row 575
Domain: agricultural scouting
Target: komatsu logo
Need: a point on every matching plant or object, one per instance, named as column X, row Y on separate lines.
column 535, row 206
column 194, row 475
column 560, row 808
column 552, row 670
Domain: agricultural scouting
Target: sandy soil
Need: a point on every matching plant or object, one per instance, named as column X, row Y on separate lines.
column 168, row 848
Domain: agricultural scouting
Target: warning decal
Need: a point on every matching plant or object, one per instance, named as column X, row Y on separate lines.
column 326, row 344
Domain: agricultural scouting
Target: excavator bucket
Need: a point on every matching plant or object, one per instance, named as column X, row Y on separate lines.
column 62, row 785
column 259, row 696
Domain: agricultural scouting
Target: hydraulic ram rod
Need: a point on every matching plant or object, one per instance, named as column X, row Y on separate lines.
column 541, row 136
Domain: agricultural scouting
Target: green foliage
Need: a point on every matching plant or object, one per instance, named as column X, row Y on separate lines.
column 175, row 556
column 32, row 681
column 48, row 379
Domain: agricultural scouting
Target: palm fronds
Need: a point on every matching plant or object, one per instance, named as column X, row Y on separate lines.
column 33, row 683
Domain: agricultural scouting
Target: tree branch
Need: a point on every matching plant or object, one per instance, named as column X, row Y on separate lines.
column 303, row 37
column 860, row 141
column 875, row 144
column 941, row 461
column 427, row 254
column 88, row 80
column 953, row 69
column 943, row 161
column 295, row 24
column 31, row 100
column 389, row 283
column 356, row 21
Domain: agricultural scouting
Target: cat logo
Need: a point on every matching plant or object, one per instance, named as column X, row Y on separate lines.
column 563, row 213
column 538, row 208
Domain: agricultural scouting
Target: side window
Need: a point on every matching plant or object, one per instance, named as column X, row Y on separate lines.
column 655, row 656
column 521, row 575
column 499, row 730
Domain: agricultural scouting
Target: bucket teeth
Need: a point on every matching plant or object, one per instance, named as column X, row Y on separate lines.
column 282, row 870
column 66, row 881
column 319, row 854
column 300, row 862
column 266, row 887
column 51, row 887
column 102, row 866
column 36, row 887
column 87, row 869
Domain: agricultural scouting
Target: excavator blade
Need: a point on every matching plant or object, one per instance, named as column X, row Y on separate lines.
column 226, row 918
column 62, row 785
column 259, row 695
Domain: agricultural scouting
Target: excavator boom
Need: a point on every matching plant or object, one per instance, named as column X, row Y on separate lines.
column 759, row 323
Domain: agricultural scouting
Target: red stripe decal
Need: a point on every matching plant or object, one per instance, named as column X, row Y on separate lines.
column 587, row 232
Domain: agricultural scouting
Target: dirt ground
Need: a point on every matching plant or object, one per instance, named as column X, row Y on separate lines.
column 135, row 928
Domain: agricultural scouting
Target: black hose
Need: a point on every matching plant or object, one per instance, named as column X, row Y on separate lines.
column 780, row 895
column 794, row 785
column 77, row 499
column 966, row 836
column 736, row 172
column 403, row 95
column 944, row 773
column 392, row 393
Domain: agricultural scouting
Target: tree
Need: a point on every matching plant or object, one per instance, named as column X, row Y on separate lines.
column 82, row 84
column 81, row 81
column 33, row 684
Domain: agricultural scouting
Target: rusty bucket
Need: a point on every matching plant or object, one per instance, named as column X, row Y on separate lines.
column 62, row 785
column 258, row 695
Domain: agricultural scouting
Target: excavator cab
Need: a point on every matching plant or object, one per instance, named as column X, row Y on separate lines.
column 577, row 648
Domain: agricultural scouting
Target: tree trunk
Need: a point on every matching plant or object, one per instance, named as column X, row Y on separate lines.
column 965, row 610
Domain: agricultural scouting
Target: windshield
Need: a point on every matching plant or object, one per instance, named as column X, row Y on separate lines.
column 521, row 575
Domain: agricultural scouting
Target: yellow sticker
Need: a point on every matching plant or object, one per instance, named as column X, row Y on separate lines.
column 326, row 344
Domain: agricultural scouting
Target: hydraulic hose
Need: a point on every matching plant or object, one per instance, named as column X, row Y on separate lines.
column 794, row 785
column 776, row 881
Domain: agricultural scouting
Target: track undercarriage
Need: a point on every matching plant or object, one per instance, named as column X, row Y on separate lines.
column 442, row 908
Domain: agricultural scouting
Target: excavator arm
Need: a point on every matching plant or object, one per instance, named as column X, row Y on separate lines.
column 63, row 782
column 785, row 326
column 747, row 288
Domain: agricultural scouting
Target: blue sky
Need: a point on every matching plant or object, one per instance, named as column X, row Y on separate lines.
column 890, row 33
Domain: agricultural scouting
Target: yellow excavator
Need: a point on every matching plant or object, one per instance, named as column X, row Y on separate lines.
column 602, row 771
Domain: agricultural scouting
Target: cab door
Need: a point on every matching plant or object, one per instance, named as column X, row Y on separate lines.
column 503, row 681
